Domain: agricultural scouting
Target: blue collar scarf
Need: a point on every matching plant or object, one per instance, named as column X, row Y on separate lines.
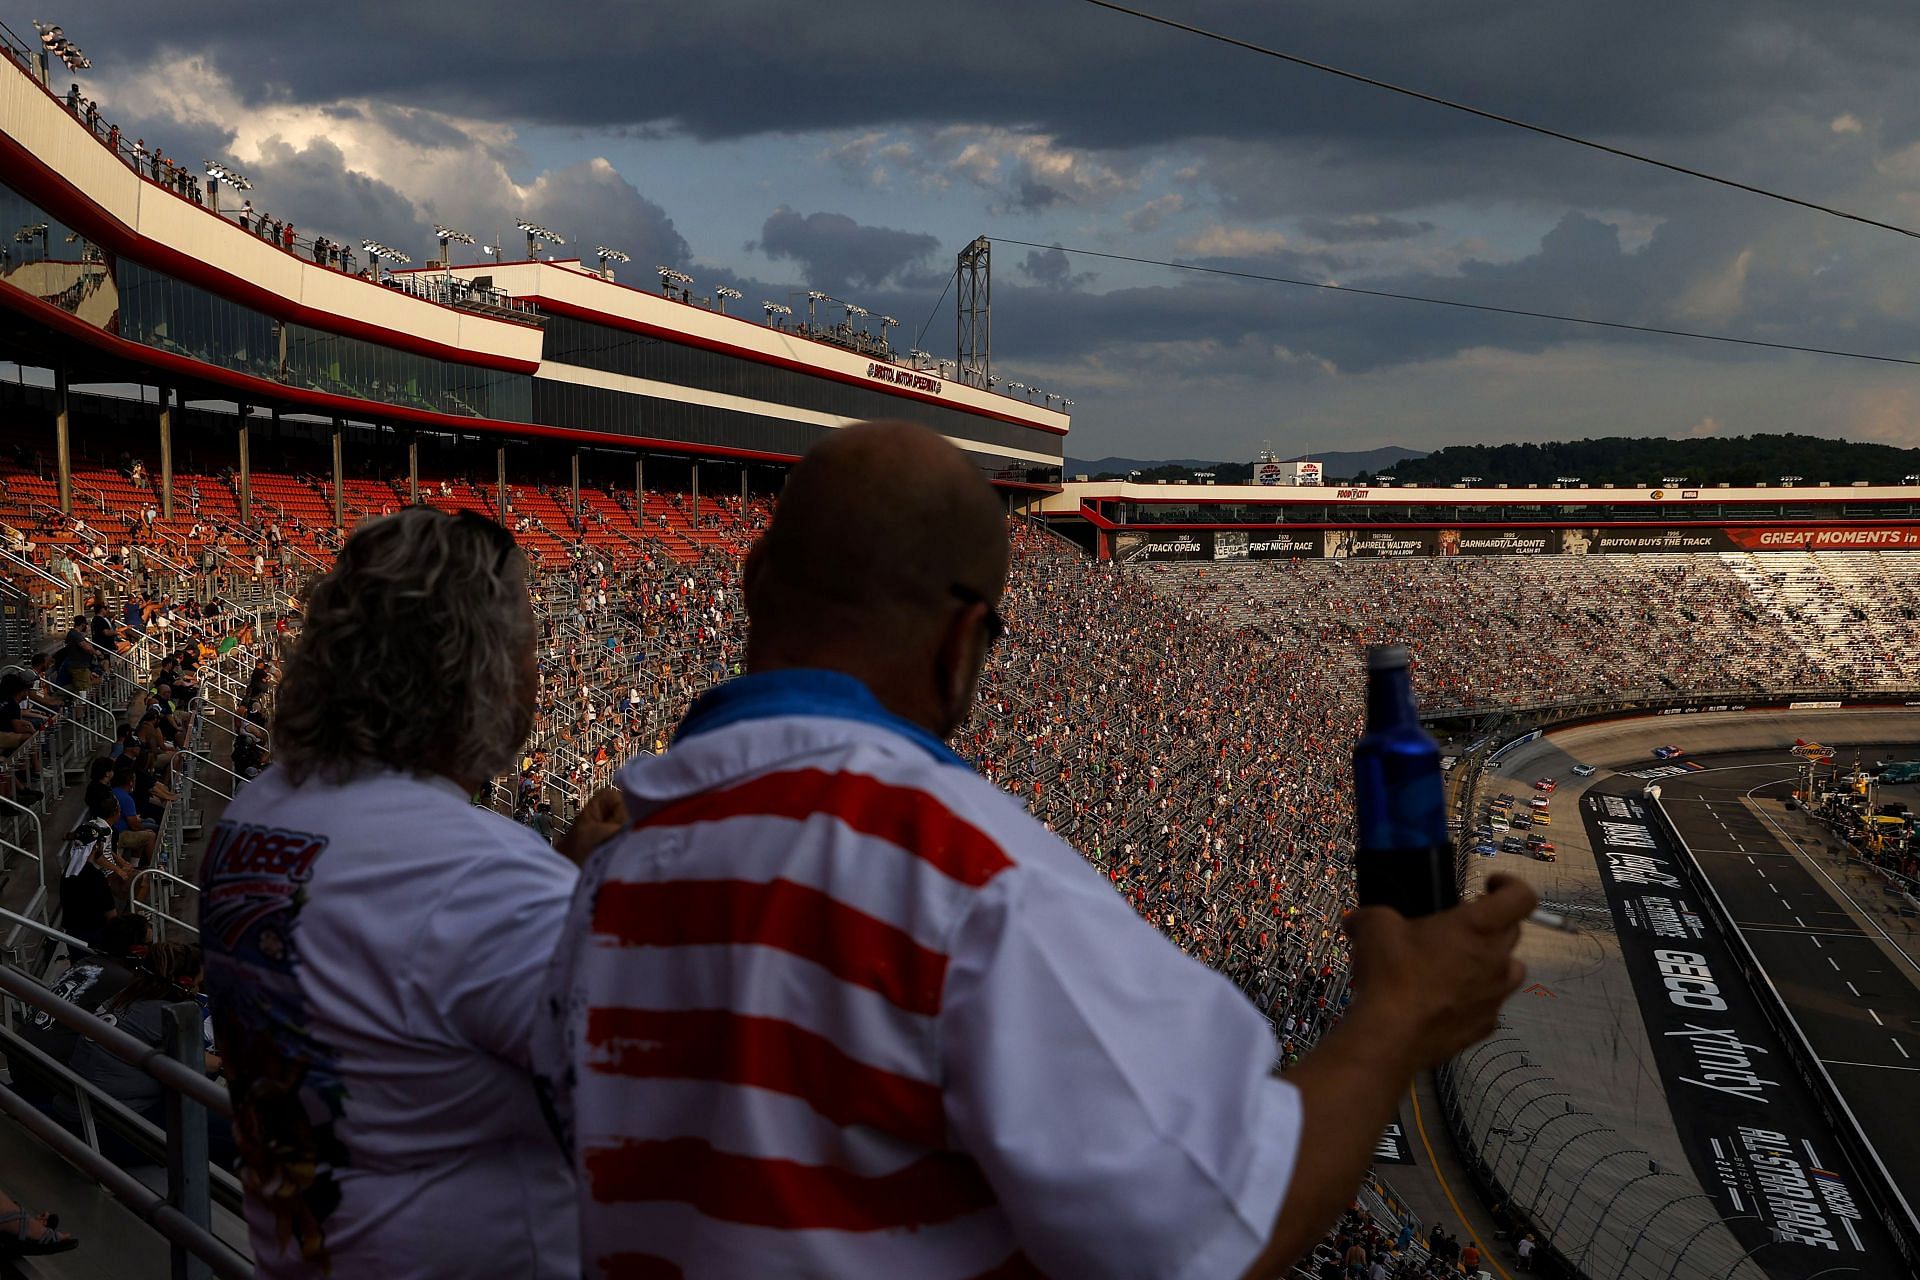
column 803, row 691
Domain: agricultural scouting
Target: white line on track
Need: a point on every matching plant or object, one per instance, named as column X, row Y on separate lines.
column 1902, row 1048
column 1876, row 1019
column 1802, row 923
column 1883, row 1066
column 1834, row 963
column 1853, row 988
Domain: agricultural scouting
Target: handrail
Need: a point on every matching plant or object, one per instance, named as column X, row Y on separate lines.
column 147, row 908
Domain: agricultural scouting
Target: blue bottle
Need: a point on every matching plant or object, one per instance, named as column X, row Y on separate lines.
column 1403, row 858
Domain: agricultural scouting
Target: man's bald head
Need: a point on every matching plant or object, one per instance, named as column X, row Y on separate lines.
column 876, row 527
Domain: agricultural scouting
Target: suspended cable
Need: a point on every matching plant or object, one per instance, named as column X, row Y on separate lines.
column 1494, row 116
column 1464, row 306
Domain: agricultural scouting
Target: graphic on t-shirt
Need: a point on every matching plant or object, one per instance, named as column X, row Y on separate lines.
column 286, row 1085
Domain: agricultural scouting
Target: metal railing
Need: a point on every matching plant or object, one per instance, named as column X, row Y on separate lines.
column 183, row 1214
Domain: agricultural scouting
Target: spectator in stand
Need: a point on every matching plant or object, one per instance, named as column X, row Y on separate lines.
column 170, row 974
column 376, row 973
column 93, row 880
column 135, row 835
column 1035, row 1035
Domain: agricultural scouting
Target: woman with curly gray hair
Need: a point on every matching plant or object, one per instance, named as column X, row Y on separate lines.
column 375, row 942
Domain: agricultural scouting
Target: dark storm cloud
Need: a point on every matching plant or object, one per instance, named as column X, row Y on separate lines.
column 1363, row 228
column 1052, row 269
column 835, row 251
column 1638, row 69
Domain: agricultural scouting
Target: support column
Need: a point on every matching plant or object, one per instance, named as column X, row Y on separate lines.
column 743, row 486
column 500, row 482
column 62, row 444
column 339, row 475
column 576, row 489
column 413, row 470
column 696, row 491
column 166, row 453
column 639, row 488
column 246, row 468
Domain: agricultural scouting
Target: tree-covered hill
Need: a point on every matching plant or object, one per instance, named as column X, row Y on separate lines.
column 1625, row 460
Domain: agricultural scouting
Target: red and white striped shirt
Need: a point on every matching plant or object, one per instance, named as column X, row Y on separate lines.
column 835, row 1006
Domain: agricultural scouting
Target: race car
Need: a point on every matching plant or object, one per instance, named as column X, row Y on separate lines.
column 1546, row 786
column 1538, row 803
column 1512, row 845
column 1545, row 851
column 1667, row 753
column 1584, row 771
column 1486, row 848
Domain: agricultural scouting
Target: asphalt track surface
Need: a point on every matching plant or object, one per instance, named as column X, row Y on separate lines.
column 1859, row 1006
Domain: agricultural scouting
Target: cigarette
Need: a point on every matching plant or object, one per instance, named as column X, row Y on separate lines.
column 1553, row 920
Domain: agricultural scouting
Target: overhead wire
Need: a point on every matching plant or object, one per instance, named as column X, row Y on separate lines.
column 1463, row 305
column 1496, row 117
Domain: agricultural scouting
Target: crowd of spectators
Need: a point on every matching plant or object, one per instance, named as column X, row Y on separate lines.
column 1517, row 631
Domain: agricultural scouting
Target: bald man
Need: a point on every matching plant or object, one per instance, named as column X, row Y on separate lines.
column 834, row 1006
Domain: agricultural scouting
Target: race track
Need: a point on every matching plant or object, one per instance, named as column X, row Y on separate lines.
column 1853, row 993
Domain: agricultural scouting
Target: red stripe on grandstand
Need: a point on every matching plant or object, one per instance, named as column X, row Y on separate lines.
column 784, row 1194
column 851, row 945
column 639, row 1266
column 609, row 319
column 1017, row 1267
column 259, row 391
column 40, row 183
column 901, row 816
column 765, row 1053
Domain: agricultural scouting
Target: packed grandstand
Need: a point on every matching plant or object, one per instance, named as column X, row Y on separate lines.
column 1184, row 725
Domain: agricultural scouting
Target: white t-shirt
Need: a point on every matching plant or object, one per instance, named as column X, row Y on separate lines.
column 374, row 953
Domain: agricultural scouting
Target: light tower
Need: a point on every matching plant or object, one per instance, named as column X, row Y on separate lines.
column 218, row 173
column 446, row 236
column 723, row 293
column 975, row 329
column 606, row 256
column 538, row 238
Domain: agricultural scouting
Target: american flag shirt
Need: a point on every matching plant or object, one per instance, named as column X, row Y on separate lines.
column 834, row 1006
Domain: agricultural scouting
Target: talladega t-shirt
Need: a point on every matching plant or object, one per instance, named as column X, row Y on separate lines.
column 374, row 954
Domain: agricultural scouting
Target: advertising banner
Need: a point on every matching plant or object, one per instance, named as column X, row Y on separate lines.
column 1751, row 1128
column 1379, row 544
column 1498, row 542
column 1269, row 473
column 1131, row 546
column 1385, row 544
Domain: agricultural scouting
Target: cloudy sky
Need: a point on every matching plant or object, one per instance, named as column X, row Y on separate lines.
column 856, row 146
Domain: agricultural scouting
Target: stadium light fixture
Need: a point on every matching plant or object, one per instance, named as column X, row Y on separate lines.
column 1385, row 479
column 606, row 255
column 1066, row 403
column 446, row 236
column 723, row 293
column 917, row 355
column 1469, row 479
column 492, row 251
column 1912, row 479
column 539, row 237
column 1791, row 479
column 57, row 44
column 1566, row 479
column 380, row 252
column 218, row 173
column 775, row 309
column 1671, row 481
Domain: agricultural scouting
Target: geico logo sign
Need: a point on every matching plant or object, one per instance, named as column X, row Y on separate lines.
column 1688, row 981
